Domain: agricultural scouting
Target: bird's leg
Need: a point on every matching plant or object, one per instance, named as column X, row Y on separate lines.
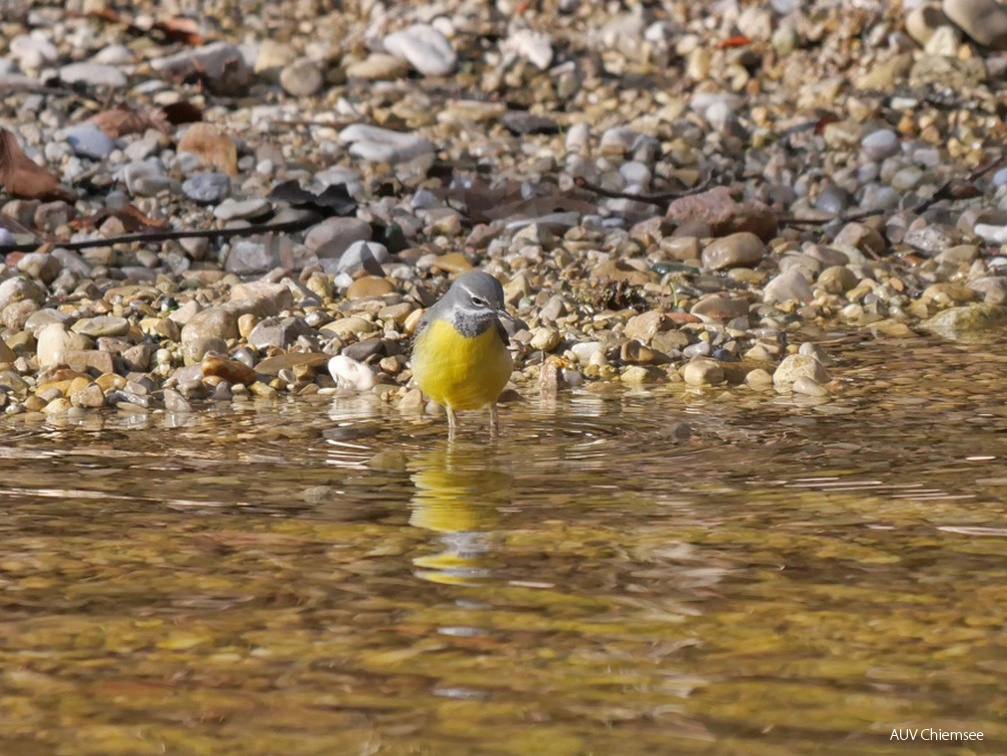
column 494, row 421
column 452, row 423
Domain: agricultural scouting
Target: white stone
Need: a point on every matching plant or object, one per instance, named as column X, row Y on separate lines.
column 787, row 286
column 352, row 374
column 54, row 341
column 425, row 48
column 535, row 47
column 93, row 74
column 33, row 51
column 384, row 145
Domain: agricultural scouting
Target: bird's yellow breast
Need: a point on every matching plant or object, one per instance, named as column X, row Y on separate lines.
column 460, row 372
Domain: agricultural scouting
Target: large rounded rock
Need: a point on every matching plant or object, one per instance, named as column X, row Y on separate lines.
column 18, row 289
column 985, row 21
column 800, row 365
column 54, row 342
column 965, row 323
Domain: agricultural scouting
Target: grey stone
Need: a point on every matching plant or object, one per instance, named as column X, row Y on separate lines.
column 248, row 256
column 207, row 188
column 89, row 141
column 880, row 144
column 146, row 178
column 102, row 325
column 278, row 332
column 301, row 78
column 367, row 255
column 331, row 237
column 985, row 21
column 249, row 209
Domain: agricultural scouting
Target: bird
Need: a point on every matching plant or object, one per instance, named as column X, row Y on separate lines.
column 460, row 357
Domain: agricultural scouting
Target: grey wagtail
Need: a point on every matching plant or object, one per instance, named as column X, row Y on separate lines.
column 460, row 357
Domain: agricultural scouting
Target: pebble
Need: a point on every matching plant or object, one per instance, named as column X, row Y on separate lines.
column 790, row 285
column 703, row 372
column 837, row 279
column 55, row 343
column 742, row 249
column 231, row 209
column 720, row 308
column 985, row 21
column 800, row 365
column 93, row 75
column 535, row 47
column 808, row 386
column 207, row 188
column 89, row 141
column 333, row 236
column 351, row 374
column 358, row 255
column 146, row 178
column 425, row 48
column 33, row 51
column 381, row 145
column 377, row 66
column 221, row 65
column 231, row 371
column 278, row 332
column 90, row 396
column 41, row 266
column 102, row 325
column 301, row 78
column 17, row 289
column 368, row 287
column 880, row 144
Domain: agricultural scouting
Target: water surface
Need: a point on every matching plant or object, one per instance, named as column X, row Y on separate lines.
column 331, row 577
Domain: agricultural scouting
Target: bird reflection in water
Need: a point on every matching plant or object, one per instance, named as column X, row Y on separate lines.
column 460, row 490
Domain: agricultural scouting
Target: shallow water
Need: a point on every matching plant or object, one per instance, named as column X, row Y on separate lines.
column 332, row 577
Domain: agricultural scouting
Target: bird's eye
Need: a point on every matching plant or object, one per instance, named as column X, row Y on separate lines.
column 478, row 301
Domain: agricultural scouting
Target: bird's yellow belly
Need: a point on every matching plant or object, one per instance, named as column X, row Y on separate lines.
column 458, row 372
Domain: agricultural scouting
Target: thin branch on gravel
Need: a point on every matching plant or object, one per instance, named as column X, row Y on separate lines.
column 157, row 236
column 276, row 125
column 945, row 191
column 649, row 199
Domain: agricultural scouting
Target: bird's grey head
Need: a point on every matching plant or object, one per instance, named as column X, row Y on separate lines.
column 475, row 302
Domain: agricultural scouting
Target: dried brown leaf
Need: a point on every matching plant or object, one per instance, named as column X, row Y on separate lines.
column 181, row 112
column 214, row 149
column 22, row 178
column 180, row 29
column 122, row 120
column 133, row 221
